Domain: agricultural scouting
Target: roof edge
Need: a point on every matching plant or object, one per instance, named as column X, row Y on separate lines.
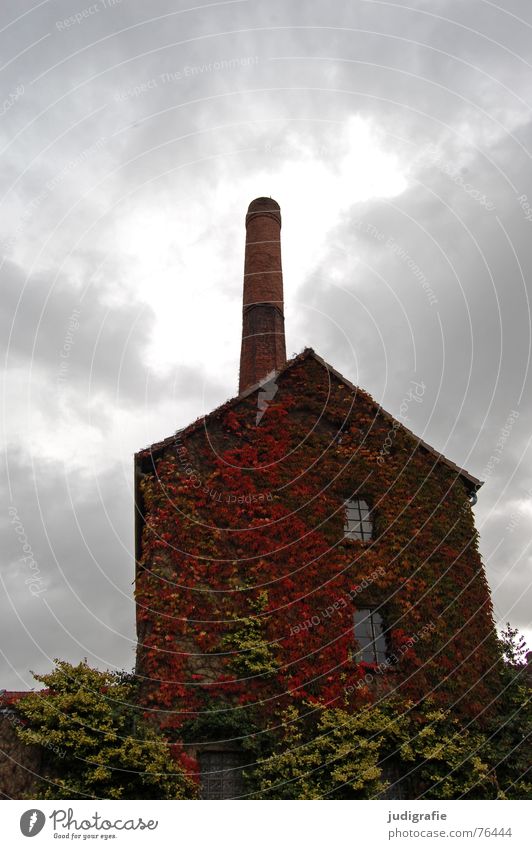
column 473, row 482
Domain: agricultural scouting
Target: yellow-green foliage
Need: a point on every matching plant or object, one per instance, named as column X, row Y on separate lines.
column 94, row 743
column 339, row 755
column 251, row 654
column 449, row 760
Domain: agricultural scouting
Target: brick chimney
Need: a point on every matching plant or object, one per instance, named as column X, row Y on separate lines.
column 263, row 344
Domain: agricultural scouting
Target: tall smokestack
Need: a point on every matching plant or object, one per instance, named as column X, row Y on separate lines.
column 263, row 343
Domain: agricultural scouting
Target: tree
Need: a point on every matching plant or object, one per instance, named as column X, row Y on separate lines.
column 96, row 744
column 511, row 729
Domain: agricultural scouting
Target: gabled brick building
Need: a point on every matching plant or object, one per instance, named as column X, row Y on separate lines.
column 300, row 545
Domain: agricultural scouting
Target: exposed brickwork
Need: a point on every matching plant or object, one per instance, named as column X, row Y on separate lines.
column 263, row 340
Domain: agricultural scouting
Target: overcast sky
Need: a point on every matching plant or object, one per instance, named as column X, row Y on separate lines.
column 396, row 137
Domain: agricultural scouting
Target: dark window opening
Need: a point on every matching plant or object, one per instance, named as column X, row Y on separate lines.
column 399, row 787
column 221, row 774
column 341, row 432
column 358, row 521
column 370, row 636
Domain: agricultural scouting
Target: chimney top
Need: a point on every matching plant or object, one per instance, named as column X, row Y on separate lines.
column 264, row 206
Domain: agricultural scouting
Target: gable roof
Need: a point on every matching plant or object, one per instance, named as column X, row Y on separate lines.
column 157, row 448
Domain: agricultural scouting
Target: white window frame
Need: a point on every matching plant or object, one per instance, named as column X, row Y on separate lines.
column 358, row 520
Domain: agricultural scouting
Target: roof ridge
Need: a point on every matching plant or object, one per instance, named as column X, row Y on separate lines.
column 305, row 354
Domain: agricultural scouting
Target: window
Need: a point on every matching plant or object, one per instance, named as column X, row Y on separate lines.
column 369, row 634
column 358, row 521
column 399, row 786
column 221, row 774
column 341, row 431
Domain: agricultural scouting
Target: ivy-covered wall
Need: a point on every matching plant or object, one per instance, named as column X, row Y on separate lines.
column 246, row 586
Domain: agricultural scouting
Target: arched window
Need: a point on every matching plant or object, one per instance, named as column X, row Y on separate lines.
column 358, row 521
column 369, row 634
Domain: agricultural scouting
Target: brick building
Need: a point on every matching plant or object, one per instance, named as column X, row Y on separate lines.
column 300, row 545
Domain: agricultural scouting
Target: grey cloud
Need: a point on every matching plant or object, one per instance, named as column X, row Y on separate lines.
column 83, row 344
column 71, row 594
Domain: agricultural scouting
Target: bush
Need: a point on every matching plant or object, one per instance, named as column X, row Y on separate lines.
column 95, row 744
